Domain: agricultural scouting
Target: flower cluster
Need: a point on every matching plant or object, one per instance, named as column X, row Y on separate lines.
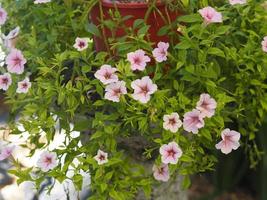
column 15, row 60
column 144, row 87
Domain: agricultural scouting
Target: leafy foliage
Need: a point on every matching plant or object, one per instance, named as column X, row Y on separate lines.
column 224, row 60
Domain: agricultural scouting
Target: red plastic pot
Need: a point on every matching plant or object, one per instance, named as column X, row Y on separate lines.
column 137, row 11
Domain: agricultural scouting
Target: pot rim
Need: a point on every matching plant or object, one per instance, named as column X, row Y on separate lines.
column 109, row 4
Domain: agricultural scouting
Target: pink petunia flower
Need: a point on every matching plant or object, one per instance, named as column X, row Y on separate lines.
column 41, row 1
column 206, row 105
column 47, row 161
column 6, row 152
column 115, row 90
column 170, row 153
column 5, row 81
column 234, row 2
column 24, row 86
column 161, row 173
column 264, row 44
column 106, row 74
column 193, row 121
column 143, row 88
column 210, row 15
column 138, row 60
column 230, row 141
column 172, row 122
column 3, row 16
column 15, row 62
column 160, row 53
column 101, row 157
column 10, row 39
column 81, row 43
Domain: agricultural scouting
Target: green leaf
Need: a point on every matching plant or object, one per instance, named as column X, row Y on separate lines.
column 190, row 18
column 138, row 22
column 216, row 51
column 183, row 45
column 91, row 28
column 186, row 182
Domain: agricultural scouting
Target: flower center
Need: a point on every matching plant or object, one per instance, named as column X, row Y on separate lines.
column 81, row 44
column 48, row 160
column 17, row 61
column 5, row 81
column 24, row 85
column 137, row 60
column 209, row 16
column 172, row 121
column 163, row 52
column 171, row 152
column 117, row 92
column 144, row 89
column 102, row 157
column 107, row 75
column 205, row 105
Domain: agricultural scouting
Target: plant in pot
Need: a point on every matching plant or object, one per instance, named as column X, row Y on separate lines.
column 172, row 106
column 117, row 19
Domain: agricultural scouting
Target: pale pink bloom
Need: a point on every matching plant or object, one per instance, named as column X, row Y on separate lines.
column 193, row 121
column 41, row 1
column 3, row 16
column 264, row 44
column 47, row 161
column 24, row 86
column 230, row 141
column 210, row 15
column 5, row 81
column 6, row 152
column 106, row 74
column 206, row 105
column 115, row 90
column 15, row 62
column 170, row 153
column 161, row 173
column 81, row 43
column 233, row 2
column 172, row 122
column 101, row 157
column 10, row 39
column 143, row 88
column 160, row 53
column 138, row 60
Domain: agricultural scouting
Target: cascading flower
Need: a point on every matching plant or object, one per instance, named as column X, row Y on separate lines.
column 172, row 122
column 161, row 172
column 41, row 1
column 229, row 142
column 206, row 105
column 264, row 44
column 115, row 90
column 234, row 2
column 138, row 60
column 5, row 81
column 15, row 61
column 170, row 153
column 47, row 161
column 210, row 15
column 143, row 88
column 6, row 151
column 24, row 86
column 193, row 121
column 160, row 53
column 106, row 74
column 101, row 157
column 81, row 43
column 3, row 16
